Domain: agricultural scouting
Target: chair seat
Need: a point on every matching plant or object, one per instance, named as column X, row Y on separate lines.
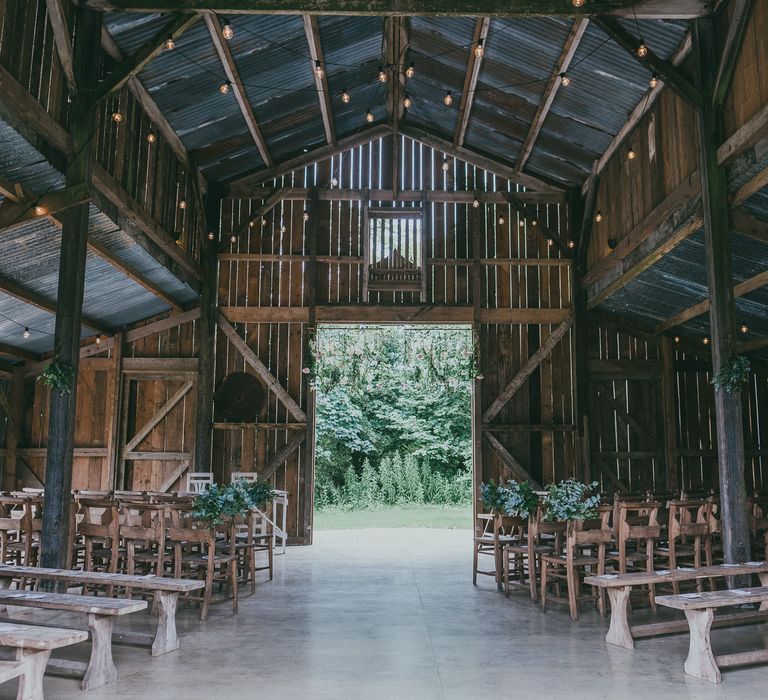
column 524, row 548
column 201, row 559
column 577, row 561
column 503, row 539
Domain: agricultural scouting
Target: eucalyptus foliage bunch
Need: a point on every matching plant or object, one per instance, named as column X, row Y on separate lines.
column 571, row 500
column 221, row 502
column 520, row 501
column 733, row 374
column 494, row 496
column 58, row 375
column 256, row 493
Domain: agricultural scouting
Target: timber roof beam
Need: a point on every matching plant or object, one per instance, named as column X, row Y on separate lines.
column 321, row 76
column 474, row 62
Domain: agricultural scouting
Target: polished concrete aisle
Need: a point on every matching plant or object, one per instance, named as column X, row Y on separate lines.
column 393, row 614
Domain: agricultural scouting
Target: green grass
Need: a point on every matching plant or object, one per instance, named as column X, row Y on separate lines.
column 413, row 515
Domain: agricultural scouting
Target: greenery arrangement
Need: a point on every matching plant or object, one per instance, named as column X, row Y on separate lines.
column 393, row 416
column 733, row 374
column 221, row 502
column 520, row 500
column 494, row 497
column 571, row 500
column 58, row 375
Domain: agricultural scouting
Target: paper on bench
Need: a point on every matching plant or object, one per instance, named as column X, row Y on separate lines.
column 662, row 572
column 755, row 563
column 690, row 595
column 609, row 576
column 739, row 591
column 730, row 564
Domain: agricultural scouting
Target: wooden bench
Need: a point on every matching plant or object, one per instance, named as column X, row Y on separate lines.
column 100, row 669
column 699, row 610
column 165, row 591
column 32, row 649
column 619, row 587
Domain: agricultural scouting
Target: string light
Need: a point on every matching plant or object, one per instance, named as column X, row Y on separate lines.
column 39, row 210
column 534, row 222
column 382, row 75
column 407, row 102
column 283, row 229
column 522, row 223
column 211, row 235
column 565, row 81
column 98, row 339
column 319, row 72
column 169, row 44
column 334, row 182
column 476, row 203
column 306, row 215
column 151, row 138
column 550, row 242
column 501, row 221
column 446, row 164
column 345, row 98
column 25, row 334
column 598, row 216
column 571, row 243
column 226, row 31
column 224, row 87
column 744, row 328
column 117, row 117
column 183, row 204
column 448, row 99
column 642, row 50
column 631, row 155
column 411, row 70
column 654, row 81
column 705, row 340
column 578, row 3
column 252, row 223
column 233, row 238
column 479, row 48
column 369, row 116
column 677, row 338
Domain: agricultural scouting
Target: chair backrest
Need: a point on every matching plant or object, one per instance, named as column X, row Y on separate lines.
column 142, row 521
column 582, row 533
column 758, row 514
column 199, row 482
column 688, row 518
column 250, row 477
column 637, row 521
column 100, row 518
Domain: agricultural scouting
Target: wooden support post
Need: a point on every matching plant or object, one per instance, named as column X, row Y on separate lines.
column 669, row 409
column 13, row 437
column 74, row 243
column 114, row 396
column 206, row 337
column 310, row 331
column 478, row 235
column 730, row 436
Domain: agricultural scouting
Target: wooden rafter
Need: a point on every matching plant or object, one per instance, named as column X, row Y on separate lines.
column 642, row 9
column 474, row 62
column 162, row 412
column 246, row 183
column 57, row 15
column 746, row 287
column 13, row 214
column 321, row 82
column 731, row 49
column 236, row 85
column 18, row 291
column 555, row 81
column 17, row 352
column 664, row 70
column 641, row 108
column 527, row 369
column 395, row 48
column 134, row 64
column 526, row 212
column 261, row 370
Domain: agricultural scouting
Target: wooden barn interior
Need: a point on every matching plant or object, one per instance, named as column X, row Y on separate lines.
column 190, row 188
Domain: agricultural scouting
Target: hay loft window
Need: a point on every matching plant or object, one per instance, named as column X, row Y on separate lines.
column 395, row 251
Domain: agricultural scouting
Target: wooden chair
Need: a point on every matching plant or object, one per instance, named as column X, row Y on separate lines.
column 713, row 546
column 207, row 564
column 585, row 545
column 199, row 482
column 758, row 527
column 248, row 540
column 636, row 530
column 15, row 542
column 492, row 533
column 99, row 528
column 142, row 531
column 542, row 537
column 686, row 535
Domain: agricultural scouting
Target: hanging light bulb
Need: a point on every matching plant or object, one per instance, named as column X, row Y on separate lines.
column 534, row 223
column 501, row 221
column 550, row 242
column 98, row 340
column 319, row 72
column 677, row 338
column 448, row 99
column 578, row 3
column 233, row 238
column 169, row 44
column 224, row 87
column 25, row 334
column 411, row 70
column 407, row 102
column 117, row 117
column 183, row 204
column 151, row 138
column 571, row 243
column 283, row 229
column 446, row 164
column 382, row 75
column 744, row 328
column 631, row 155
column 334, row 182
column 654, row 81
column 642, row 50
column 211, row 235
column 369, row 116
column 599, row 216
column 252, row 223
column 226, row 31
column 479, row 48
column 476, row 203
column 565, row 81
column 306, row 215
column 705, row 340
column 345, row 98
column 39, row 210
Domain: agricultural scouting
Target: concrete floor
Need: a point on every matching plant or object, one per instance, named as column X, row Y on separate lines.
column 393, row 614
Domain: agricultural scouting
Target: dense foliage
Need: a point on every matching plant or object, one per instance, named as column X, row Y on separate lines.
column 571, row 500
column 513, row 498
column 220, row 502
column 733, row 374
column 393, row 415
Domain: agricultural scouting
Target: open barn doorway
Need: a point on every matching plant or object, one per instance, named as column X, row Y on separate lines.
column 393, row 426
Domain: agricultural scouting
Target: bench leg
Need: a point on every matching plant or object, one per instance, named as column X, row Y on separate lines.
column 166, row 638
column 700, row 662
column 31, row 679
column 101, row 668
column 618, row 632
